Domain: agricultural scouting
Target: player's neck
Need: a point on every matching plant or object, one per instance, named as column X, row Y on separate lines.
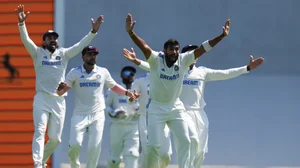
column 128, row 85
column 88, row 68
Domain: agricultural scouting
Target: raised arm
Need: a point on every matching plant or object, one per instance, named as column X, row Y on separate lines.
column 209, row 44
column 28, row 43
column 131, row 56
column 135, row 38
column 76, row 48
column 214, row 75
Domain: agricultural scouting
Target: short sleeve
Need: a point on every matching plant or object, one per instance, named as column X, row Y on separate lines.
column 109, row 81
column 70, row 78
column 152, row 60
column 187, row 58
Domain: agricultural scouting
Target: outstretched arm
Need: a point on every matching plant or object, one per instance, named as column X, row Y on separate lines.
column 209, row 44
column 135, row 38
column 28, row 43
column 122, row 91
column 131, row 56
column 86, row 40
column 214, row 75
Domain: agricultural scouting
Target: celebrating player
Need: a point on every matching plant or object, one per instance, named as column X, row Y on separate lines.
column 123, row 130
column 141, row 85
column 167, row 70
column 50, row 63
column 192, row 97
column 88, row 81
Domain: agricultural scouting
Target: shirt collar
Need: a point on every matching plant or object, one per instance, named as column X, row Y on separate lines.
column 94, row 70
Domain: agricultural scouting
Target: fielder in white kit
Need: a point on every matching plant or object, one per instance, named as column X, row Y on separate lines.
column 141, row 85
column 50, row 63
column 167, row 70
column 192, row 97
column 88, row 81
column 123, row 130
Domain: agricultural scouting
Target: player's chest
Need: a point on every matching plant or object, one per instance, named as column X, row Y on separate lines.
column 54, row 60
column 193, row 79
column 85, row 80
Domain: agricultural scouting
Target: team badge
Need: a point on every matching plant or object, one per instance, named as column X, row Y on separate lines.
column 98, row 76
column 58, row 58
column 176, row 67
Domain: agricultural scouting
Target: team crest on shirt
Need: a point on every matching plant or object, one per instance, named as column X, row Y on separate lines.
column 98, row 76
column 58, row 58
column 176, row 67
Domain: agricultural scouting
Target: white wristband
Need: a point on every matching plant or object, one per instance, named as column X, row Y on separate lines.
column 206, row 46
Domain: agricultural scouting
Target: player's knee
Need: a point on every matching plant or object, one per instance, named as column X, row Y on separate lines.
column 165, row 159
column 55, row 141
column 194, row 142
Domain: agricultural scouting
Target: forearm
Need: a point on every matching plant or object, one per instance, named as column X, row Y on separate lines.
column 61, row 92
column 28, row 43
column 76, row 48
column 140, row 43
column 119, row 90
column 216, row 40
column 226, row 74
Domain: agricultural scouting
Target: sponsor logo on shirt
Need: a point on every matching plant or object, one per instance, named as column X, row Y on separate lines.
column 122, row 100
column 176, row 67
column 172, row 77
column 191, row 82
column 48, row 63
column 89, row 84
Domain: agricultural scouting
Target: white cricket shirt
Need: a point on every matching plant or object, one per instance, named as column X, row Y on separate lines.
column 166, row 82
column 88, row 88
column 50, row 68
column 192, row 94
column 141, row 85
column 118, row 102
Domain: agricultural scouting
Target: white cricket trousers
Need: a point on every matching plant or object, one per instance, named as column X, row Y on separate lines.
column 48, row 111
column 124, row 140
column 175, row 118
column 166, row 148
column 93, row 125
column 198, row 127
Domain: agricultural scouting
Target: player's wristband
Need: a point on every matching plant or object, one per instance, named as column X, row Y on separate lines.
column 248, row 68
column 126, row 93
column 206, row 46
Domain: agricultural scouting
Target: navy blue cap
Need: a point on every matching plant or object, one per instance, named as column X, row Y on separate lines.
column 50, row 32
column 89, row 49
column 188, row 47
column 128, row 71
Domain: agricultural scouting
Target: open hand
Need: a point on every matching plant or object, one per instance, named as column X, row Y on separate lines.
column 129, row 55
column 254, row 63
column 96, row 24
column 226, row 28
column 129, row 23
column 21, row 14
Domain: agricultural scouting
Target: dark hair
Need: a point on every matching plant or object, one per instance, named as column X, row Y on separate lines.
column 170, row 42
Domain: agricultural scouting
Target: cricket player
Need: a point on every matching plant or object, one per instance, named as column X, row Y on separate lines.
column 167, row 70
column 123, row 130
column 141, row 85
column 50, row 63
column 88, row 82
column 192, row 97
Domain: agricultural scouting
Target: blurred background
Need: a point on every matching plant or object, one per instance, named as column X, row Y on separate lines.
column 253, row 118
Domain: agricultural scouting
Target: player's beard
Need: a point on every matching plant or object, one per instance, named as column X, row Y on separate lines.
column 127, row 81
column 171, row 58
column 52, row 47
column 91, row 62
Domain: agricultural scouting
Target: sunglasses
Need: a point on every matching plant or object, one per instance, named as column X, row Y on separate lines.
column 128, row 73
